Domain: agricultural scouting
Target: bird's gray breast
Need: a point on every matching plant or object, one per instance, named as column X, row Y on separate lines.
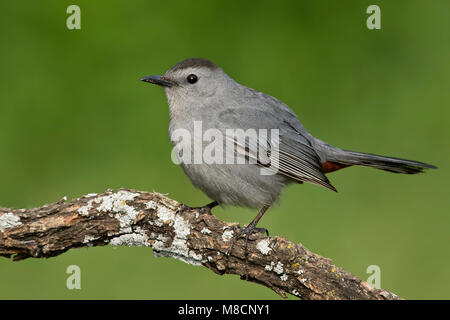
column 228, row 183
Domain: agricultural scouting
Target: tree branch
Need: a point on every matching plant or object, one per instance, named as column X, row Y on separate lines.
column 134, row 218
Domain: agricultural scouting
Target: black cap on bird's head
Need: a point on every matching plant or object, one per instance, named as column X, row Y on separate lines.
column 192, row 63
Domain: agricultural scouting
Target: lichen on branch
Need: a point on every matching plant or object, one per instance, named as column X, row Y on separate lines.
column 136, row 218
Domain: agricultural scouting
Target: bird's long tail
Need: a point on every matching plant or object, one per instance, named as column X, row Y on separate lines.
column 396, row 165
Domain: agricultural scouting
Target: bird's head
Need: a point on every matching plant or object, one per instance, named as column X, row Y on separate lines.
column 193, row 81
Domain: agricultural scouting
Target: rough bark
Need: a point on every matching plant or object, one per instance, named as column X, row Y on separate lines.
column 135, row 218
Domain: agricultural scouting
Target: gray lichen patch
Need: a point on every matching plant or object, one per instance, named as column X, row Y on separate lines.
column 114, row 203
column 89, row 195
column 151, row 205
column 84, row 211
column 263, row 246
column 227, row 235
column 270, row 266
column 88, row 239
column 129, row 240
column 178, row 247
column 186, row 259
column 9, row 220
column 205, row 231
column 279, row 268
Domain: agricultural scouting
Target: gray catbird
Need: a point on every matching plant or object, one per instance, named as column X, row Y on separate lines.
column 198, row 90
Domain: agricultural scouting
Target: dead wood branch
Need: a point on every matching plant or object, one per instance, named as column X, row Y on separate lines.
column 134, row 218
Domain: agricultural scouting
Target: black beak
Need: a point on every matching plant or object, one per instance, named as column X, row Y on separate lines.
column 160, row 81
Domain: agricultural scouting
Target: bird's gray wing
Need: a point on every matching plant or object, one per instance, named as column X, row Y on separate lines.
column 292, row 155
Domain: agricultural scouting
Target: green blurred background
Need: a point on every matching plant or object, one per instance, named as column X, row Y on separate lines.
column 76, row 119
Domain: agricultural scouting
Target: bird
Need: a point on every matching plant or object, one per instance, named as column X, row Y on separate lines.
column 200, row 92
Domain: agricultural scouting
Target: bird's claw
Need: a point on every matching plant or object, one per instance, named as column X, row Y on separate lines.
column 245, row 233
column 203, row 210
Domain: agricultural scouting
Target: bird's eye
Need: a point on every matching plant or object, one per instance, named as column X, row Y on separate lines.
column 192, row 78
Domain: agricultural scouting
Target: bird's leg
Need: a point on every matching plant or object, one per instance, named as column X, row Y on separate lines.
column 247, row 231
column 205, row 209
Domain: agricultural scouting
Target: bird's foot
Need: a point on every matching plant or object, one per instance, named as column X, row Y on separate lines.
column 204, row 210
column 245, row 233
